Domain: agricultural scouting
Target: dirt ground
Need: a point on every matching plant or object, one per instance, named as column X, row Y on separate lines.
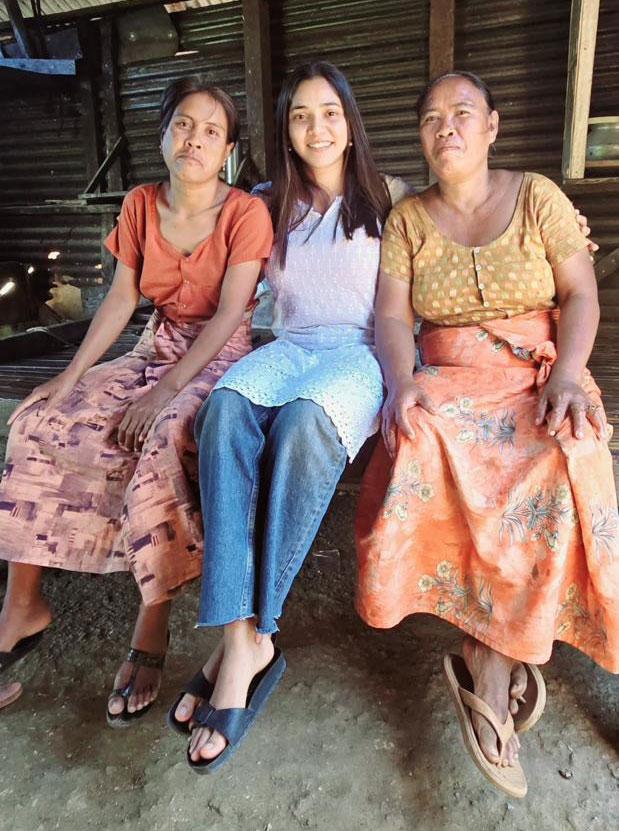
column 360, row 735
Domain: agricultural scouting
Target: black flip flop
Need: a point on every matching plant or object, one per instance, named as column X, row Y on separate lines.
column 20, row 650
column 234, row 723
column 139, row 658
column 198, row 686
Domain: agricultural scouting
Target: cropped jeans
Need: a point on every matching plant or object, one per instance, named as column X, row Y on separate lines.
column 267, row 475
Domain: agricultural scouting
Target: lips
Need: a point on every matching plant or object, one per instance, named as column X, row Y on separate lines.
column 187, row 157
column 320, row 145
column 447, row 147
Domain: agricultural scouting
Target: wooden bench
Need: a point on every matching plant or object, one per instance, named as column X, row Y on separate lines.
column 20, row 375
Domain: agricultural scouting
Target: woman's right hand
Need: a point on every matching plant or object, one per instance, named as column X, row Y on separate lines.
column 52, row 392
column 399, row 401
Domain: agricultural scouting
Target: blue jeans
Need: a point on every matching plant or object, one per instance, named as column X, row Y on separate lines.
column 267, row 475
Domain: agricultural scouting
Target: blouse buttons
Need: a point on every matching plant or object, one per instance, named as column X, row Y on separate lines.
column 482, row 286
column 486, row 304
column 476, row 250
column 477, row 267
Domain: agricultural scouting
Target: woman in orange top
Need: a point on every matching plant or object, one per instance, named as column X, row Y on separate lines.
column 101, row 468
column 491, row 502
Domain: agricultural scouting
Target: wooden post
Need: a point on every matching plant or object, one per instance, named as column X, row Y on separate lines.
column 442, row 37
column 258, row 84
column 583, row 33
column 110, row 104
column 91, row 139
column 22, row 36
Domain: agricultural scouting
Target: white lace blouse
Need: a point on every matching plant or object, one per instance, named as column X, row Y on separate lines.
column 323, row 320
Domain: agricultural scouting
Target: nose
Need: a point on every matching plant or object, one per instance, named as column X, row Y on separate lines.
column 193, row 139
column 444, row 128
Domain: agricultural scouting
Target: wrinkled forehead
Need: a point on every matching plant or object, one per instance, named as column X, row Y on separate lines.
column 452, row 92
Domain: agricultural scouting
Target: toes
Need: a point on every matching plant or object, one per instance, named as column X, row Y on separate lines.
column 487, row 741
column 116, row 705
column 186, row 708
column 199, row 738
column 518, row 681
column 214, row 746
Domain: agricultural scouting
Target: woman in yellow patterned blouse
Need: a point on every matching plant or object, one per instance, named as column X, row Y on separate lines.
column 491, row 501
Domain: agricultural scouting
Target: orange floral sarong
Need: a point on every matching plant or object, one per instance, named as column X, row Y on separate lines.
column 71, row 498
column 485, row 520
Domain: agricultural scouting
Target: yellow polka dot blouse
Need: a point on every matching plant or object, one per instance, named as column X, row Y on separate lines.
column 455, row 285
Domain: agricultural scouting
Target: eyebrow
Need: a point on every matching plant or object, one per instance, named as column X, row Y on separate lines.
column 212, row 123
column 467, row 102
column 323, row 104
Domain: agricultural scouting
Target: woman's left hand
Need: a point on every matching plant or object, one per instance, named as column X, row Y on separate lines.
column 583, row 224
column 562, row 396
column 139, row 418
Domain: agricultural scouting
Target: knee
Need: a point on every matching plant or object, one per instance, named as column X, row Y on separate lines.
column 219, row 413
column 306, row 430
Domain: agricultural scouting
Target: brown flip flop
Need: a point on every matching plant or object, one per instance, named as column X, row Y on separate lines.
column 511, row 779
column 531, row 705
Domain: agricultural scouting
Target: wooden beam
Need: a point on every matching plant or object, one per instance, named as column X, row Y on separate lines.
column 86, row 73
column 581, row 54
column 110, row 104
column 258, row 84
column 607, row 265
column 442, row 37
column 22, row 36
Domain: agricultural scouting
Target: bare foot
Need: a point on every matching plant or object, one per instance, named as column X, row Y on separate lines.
column 188, row 703
column 20, row 620
column 492, row 676
column 9, row 693
column 518, row 686
column 244, row 656
column 150, row 635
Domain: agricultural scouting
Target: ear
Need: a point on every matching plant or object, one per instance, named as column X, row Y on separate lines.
column 493, row 125
column 229, row 148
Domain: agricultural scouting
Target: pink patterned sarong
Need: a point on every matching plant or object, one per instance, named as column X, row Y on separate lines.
column 71, row 498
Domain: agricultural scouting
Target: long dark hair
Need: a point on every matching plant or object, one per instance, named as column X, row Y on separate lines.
column 365, row 201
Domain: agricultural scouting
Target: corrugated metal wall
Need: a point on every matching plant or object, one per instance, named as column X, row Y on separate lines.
column 605, row 90
column 382, row 48
column 216, row 34
column 41, row 148
column 519, row 47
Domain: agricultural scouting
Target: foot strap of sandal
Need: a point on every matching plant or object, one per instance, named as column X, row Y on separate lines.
column 504, row 731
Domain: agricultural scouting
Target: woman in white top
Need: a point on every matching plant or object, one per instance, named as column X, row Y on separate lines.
column 277, row 435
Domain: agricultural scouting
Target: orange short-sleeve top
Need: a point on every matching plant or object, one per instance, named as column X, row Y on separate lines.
column 186, row 287
column 456, row 285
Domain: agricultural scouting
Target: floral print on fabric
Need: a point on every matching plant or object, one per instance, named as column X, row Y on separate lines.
column 516, row 541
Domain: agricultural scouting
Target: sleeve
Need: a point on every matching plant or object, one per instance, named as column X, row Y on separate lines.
column 398, row 188
column 556, row 221
column 124, row 241
column 251, row 236
column 396, row 251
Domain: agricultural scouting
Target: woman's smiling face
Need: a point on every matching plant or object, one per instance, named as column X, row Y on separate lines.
column 317, row 126
column 195, row 144
column 456, row 128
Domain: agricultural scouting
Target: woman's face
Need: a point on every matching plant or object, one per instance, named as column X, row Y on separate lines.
column 456, row 129
column 195, row 145
column 317, row 126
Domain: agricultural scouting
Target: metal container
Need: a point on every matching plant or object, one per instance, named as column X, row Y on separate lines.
column 603, row 138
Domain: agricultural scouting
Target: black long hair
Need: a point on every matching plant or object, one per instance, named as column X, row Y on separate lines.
column 365, row 201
